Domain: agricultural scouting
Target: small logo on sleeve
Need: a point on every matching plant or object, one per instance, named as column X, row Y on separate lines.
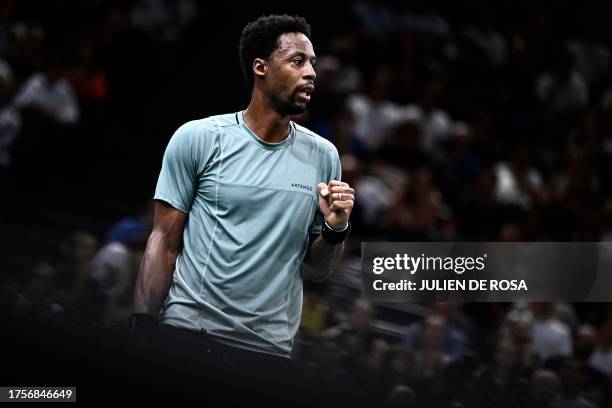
column 301, row 186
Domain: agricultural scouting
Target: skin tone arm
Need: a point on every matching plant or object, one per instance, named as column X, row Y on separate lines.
column 155, row 275
column 336, row 201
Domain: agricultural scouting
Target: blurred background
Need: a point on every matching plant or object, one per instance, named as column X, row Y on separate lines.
column 458, row 121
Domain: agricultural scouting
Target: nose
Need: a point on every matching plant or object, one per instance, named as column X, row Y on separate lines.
column 309, row 72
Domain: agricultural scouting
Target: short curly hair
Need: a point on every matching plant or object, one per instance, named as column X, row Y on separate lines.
column 260, row 38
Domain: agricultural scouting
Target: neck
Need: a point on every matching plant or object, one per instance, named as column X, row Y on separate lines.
column 269, row 125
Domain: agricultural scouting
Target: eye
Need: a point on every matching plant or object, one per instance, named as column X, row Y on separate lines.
column 298, row 61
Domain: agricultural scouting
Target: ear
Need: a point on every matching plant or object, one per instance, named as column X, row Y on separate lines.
column 260, row 67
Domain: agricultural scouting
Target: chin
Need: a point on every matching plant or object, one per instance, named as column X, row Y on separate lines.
column 295, row 110
column 290, row 107
column 299, row 107
column 299, row 110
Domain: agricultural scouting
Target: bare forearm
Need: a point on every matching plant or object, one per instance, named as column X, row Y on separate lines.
column 155, row 275
column 322, row 259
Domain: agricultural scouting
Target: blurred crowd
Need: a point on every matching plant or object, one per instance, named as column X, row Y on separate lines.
column 476, row 121
column 539, row 354
column 492, row 125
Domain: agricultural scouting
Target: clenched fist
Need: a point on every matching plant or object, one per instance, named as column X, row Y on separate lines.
column 336, row 200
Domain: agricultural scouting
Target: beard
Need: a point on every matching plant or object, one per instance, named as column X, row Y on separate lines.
column 289, row 106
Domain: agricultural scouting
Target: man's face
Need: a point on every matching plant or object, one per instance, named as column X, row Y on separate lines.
column 289, row 81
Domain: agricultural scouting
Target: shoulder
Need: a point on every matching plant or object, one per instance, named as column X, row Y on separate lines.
column 318, row 142
column 209, row 122
column 205, row 127
column 227, row 119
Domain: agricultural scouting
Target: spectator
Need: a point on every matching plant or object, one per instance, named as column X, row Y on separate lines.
column 373, row 114
column 356, row 331
column 414, row 214
column 551, row 337
column 38, row 301
column 436, row 124
column 78, row 290
column 455, row 338
column 573, row 380
column 563, row 90
column 114, row 268
column 500, row 384
column 602, row 355
column 545, row 389
column 518, row 182
column 50, row 93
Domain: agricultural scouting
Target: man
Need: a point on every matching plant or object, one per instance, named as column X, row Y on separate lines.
column 247, row 205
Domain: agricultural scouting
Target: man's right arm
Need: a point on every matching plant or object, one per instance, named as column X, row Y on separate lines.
column 157, row 265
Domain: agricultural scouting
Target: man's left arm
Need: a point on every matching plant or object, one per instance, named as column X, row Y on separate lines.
column 336, row 201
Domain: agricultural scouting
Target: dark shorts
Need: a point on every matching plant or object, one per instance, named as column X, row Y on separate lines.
column 200, row 368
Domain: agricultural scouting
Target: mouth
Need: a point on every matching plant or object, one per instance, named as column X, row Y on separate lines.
column 304, row 92
column 304, row 96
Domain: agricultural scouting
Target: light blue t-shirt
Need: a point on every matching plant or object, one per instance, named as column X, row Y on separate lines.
column 251, row 206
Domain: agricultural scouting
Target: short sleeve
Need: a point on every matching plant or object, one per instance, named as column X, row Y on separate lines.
column 335, row 173
column 178, row 179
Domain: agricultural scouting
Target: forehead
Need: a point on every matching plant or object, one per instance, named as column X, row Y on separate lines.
column 289, row 43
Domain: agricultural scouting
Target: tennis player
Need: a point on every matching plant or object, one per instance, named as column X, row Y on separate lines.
column 247, row 205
